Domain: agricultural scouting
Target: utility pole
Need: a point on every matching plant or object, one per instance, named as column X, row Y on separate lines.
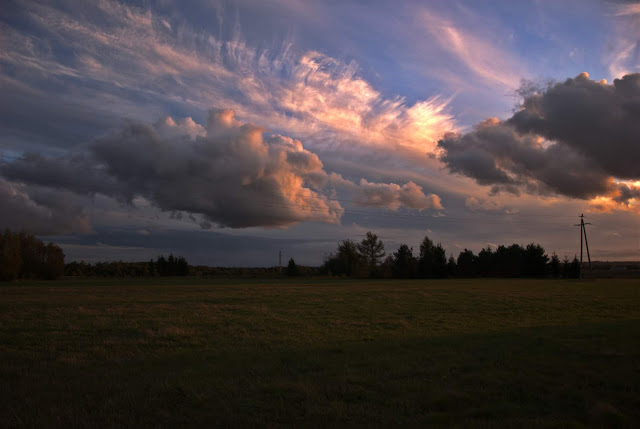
column 583, row 232
column 280, row 261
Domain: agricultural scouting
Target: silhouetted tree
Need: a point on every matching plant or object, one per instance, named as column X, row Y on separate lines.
column 508, row 261
column 439, row 262
column 182, row 266
column 24, row 256
column 292, row 268
column 467, row 264
column 554, row 265
column 386, row 267
column 535, row 261
column 151, row 268
column 574, row 268
column 425, row 259
column 451, row 266
column 10, row 256
column 486, row 263
column 53, row 262
column 404, row 263
column 171, row 266
column 432, row 262
column 371, row 250
column 566, row 267
column 346, row 261
column 161, row 265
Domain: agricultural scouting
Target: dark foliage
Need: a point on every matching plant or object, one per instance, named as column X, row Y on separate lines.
column 404, row 264
column 554, row 266
column 512, row 261
column 292, row 269
column 346, row 261
column 371, row 251
column 467, row 265
column 571, row 270
column 170, row 266
column 364, row 259
column 22, row 256
column 432, row 262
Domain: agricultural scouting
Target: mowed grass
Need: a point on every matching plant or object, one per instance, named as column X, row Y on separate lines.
column 196, row 352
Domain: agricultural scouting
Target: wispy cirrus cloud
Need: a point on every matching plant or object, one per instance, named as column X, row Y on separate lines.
column 479, row 53
column 142, row 55
column 626, row 9
column 623, row 56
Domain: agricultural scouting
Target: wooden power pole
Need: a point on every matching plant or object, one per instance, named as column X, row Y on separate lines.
column 583, row 233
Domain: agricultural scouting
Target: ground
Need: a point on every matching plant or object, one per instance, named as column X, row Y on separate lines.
column 320, row 352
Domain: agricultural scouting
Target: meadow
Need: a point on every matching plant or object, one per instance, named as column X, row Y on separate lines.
column 169, row 352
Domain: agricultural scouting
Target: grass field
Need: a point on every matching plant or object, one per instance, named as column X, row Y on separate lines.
column 195, row 352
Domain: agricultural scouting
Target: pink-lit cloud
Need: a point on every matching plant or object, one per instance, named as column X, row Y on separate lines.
column 479, row 53
column 623, row 56
column 302, row 93
column 228, row 172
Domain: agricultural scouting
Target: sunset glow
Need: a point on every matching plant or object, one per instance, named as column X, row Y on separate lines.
column 316, row 121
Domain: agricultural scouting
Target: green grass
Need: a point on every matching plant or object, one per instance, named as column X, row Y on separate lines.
column 195, row 352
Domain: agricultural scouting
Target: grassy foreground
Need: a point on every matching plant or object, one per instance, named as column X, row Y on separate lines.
column 487, row 353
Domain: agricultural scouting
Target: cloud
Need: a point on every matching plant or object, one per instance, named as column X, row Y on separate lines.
column 624, row 41
column 229, row 172
column 625, row 193
column 591, row 117
column 627, row 9
column 475, row 204
column 232, row 174
column 483, row 57
column 394, row 196
column 386, row 195
column 40, row 211
column 132, row 54
column 571, row 138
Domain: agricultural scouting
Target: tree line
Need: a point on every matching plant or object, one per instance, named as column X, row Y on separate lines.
column 22, row 256
column 369, row 259
column 161, row 266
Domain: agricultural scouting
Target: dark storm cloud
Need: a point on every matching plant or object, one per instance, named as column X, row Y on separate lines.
column 598, row 120
column 571, row 138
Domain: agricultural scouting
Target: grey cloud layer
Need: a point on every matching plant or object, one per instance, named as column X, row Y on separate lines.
column 229, row 172
column 40, row 211
column 571, row 138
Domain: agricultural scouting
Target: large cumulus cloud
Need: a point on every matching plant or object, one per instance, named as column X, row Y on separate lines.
column 573, row 138
column 231, row 173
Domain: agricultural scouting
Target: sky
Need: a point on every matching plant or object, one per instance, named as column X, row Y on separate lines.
column 230, row 131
